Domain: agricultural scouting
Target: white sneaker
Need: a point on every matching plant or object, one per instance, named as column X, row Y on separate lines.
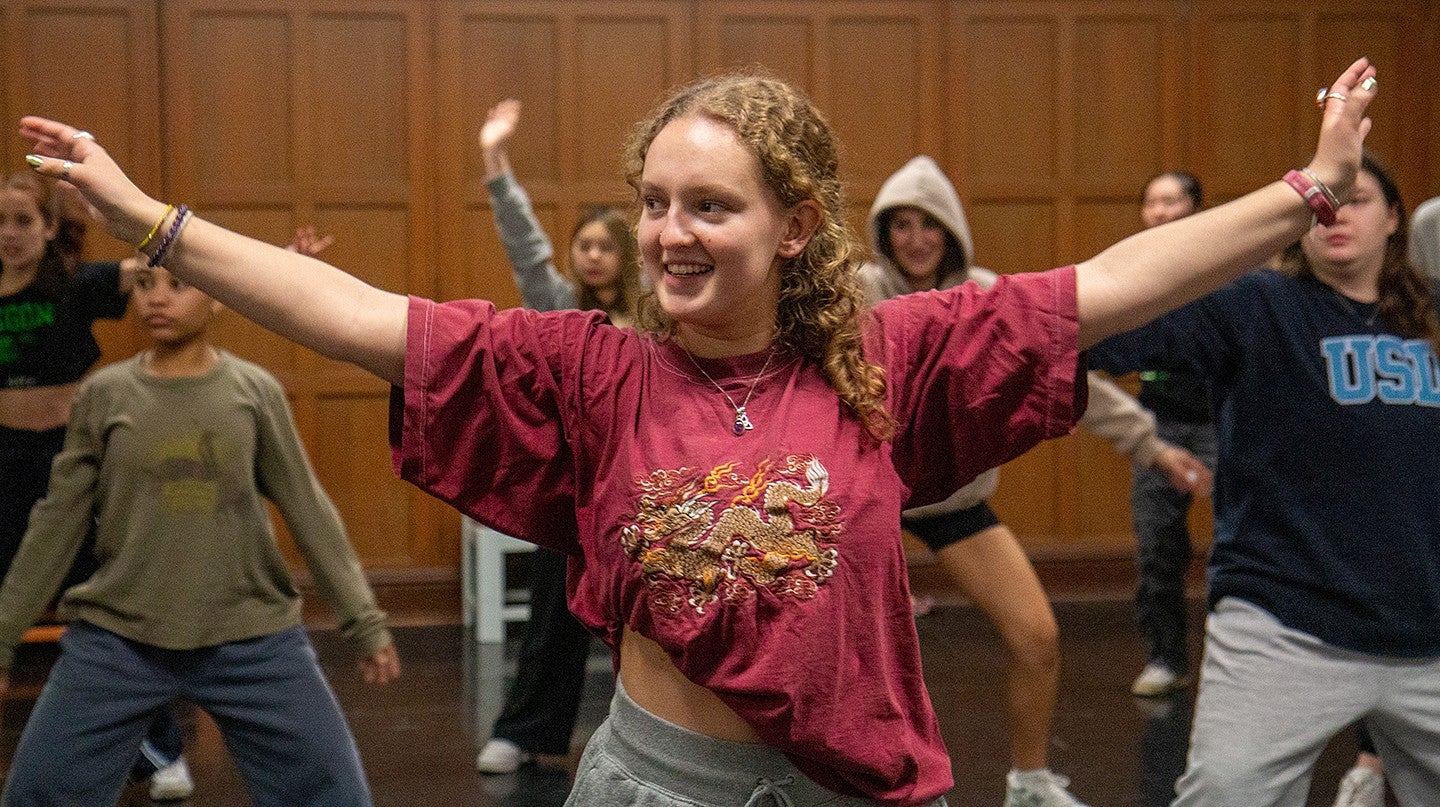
column 1361, row 787
column 1042, row 788
column 501, row 756
column 172, row 782
column 1158, row 679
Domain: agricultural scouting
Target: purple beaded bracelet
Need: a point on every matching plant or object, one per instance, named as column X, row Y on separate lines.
column 182, row 213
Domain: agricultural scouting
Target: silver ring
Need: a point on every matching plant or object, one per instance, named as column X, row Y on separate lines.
column 65, row 169
column 1333, row 94
column 82, row 135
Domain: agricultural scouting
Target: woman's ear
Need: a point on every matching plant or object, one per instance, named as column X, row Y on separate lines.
column 799, row 228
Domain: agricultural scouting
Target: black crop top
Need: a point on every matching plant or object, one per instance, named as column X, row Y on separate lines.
column 46, row 341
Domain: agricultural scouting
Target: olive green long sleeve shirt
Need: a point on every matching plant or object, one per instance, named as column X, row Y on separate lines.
column 173, row 473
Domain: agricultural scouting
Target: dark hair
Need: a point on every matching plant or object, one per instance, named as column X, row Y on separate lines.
column 1189, row 185
column 62, row 253
column 1406, row 301
column 627, row 283
column 953, row 260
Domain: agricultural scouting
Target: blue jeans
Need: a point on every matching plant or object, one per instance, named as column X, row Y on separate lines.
column 279, row 719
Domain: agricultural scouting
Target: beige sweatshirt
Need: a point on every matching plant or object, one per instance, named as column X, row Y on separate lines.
column 1112, row 413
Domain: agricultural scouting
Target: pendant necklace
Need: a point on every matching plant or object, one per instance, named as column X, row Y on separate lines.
column 742, row 420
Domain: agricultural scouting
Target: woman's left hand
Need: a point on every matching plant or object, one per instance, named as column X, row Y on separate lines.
column 1343, row 130
column 71, row 155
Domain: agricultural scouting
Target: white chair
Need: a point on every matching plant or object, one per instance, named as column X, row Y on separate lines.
column 486, row 602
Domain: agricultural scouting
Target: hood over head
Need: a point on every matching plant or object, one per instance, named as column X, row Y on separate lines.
column 921, row 184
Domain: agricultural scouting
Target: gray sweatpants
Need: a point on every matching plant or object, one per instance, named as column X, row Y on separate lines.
column 1272, row 697
column 640, row 760
column 278, row 716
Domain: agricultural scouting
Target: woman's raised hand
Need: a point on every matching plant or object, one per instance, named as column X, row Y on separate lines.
column 500, row 123
column 69, row 154
column 1343, row 130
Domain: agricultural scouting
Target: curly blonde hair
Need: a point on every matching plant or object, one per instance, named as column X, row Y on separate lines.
column 821, row 301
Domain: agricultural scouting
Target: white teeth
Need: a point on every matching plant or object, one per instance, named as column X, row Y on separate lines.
column 686, row 268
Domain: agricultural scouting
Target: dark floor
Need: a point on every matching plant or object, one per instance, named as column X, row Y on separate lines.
column 418, row 737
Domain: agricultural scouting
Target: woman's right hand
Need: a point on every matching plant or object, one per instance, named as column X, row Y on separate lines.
column 1343, row 130
column 500, row 123
column 126, row 211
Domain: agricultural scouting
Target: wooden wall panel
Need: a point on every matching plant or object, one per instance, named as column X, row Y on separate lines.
column 625, row 64
column 1246, row 122
column 1008, row 107
column 1119, row 121
column 894, row 56
column 243, row 86
column 779, row 42
column 1101, row 222
column 1012, row 236
column 607, row 66
column 355, row 468
column 513, row 57
column 357, row 85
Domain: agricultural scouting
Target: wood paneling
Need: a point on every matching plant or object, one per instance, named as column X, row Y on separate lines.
column 1009, row 92
column 360, row 116
column 295, row 113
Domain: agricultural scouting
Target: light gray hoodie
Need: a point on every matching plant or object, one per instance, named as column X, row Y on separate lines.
column 1111, row 414
column 1425, row 237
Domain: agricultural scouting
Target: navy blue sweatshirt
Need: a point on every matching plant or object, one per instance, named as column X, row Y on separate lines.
column 1327, row 493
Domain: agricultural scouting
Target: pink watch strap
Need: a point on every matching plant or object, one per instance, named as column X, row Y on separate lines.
column 1313, row 195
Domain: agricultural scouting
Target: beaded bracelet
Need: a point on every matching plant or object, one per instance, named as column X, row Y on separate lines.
column 182, row 215
column 153, row 230
column 1319, row 197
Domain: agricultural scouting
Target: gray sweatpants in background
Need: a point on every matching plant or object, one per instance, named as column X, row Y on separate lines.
column 1272, row 697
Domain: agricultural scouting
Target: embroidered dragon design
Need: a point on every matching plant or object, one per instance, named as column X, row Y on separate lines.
column 775, row 529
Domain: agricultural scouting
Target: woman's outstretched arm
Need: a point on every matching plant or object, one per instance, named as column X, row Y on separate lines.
column 1164, row 267
column 301, row 298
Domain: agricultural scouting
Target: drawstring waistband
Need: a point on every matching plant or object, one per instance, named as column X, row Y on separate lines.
column 775, row 790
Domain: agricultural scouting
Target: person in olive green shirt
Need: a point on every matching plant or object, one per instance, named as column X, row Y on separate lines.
column 170, row 455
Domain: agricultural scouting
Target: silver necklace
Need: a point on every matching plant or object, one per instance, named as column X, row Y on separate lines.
column 742, row 420
column 1357, row 308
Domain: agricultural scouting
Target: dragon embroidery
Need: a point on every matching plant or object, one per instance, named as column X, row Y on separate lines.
column 775, row 529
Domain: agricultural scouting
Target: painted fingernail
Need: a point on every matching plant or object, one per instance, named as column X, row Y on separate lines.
column 34, row 160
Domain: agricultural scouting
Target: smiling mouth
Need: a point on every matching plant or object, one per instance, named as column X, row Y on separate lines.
column 687, row 269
